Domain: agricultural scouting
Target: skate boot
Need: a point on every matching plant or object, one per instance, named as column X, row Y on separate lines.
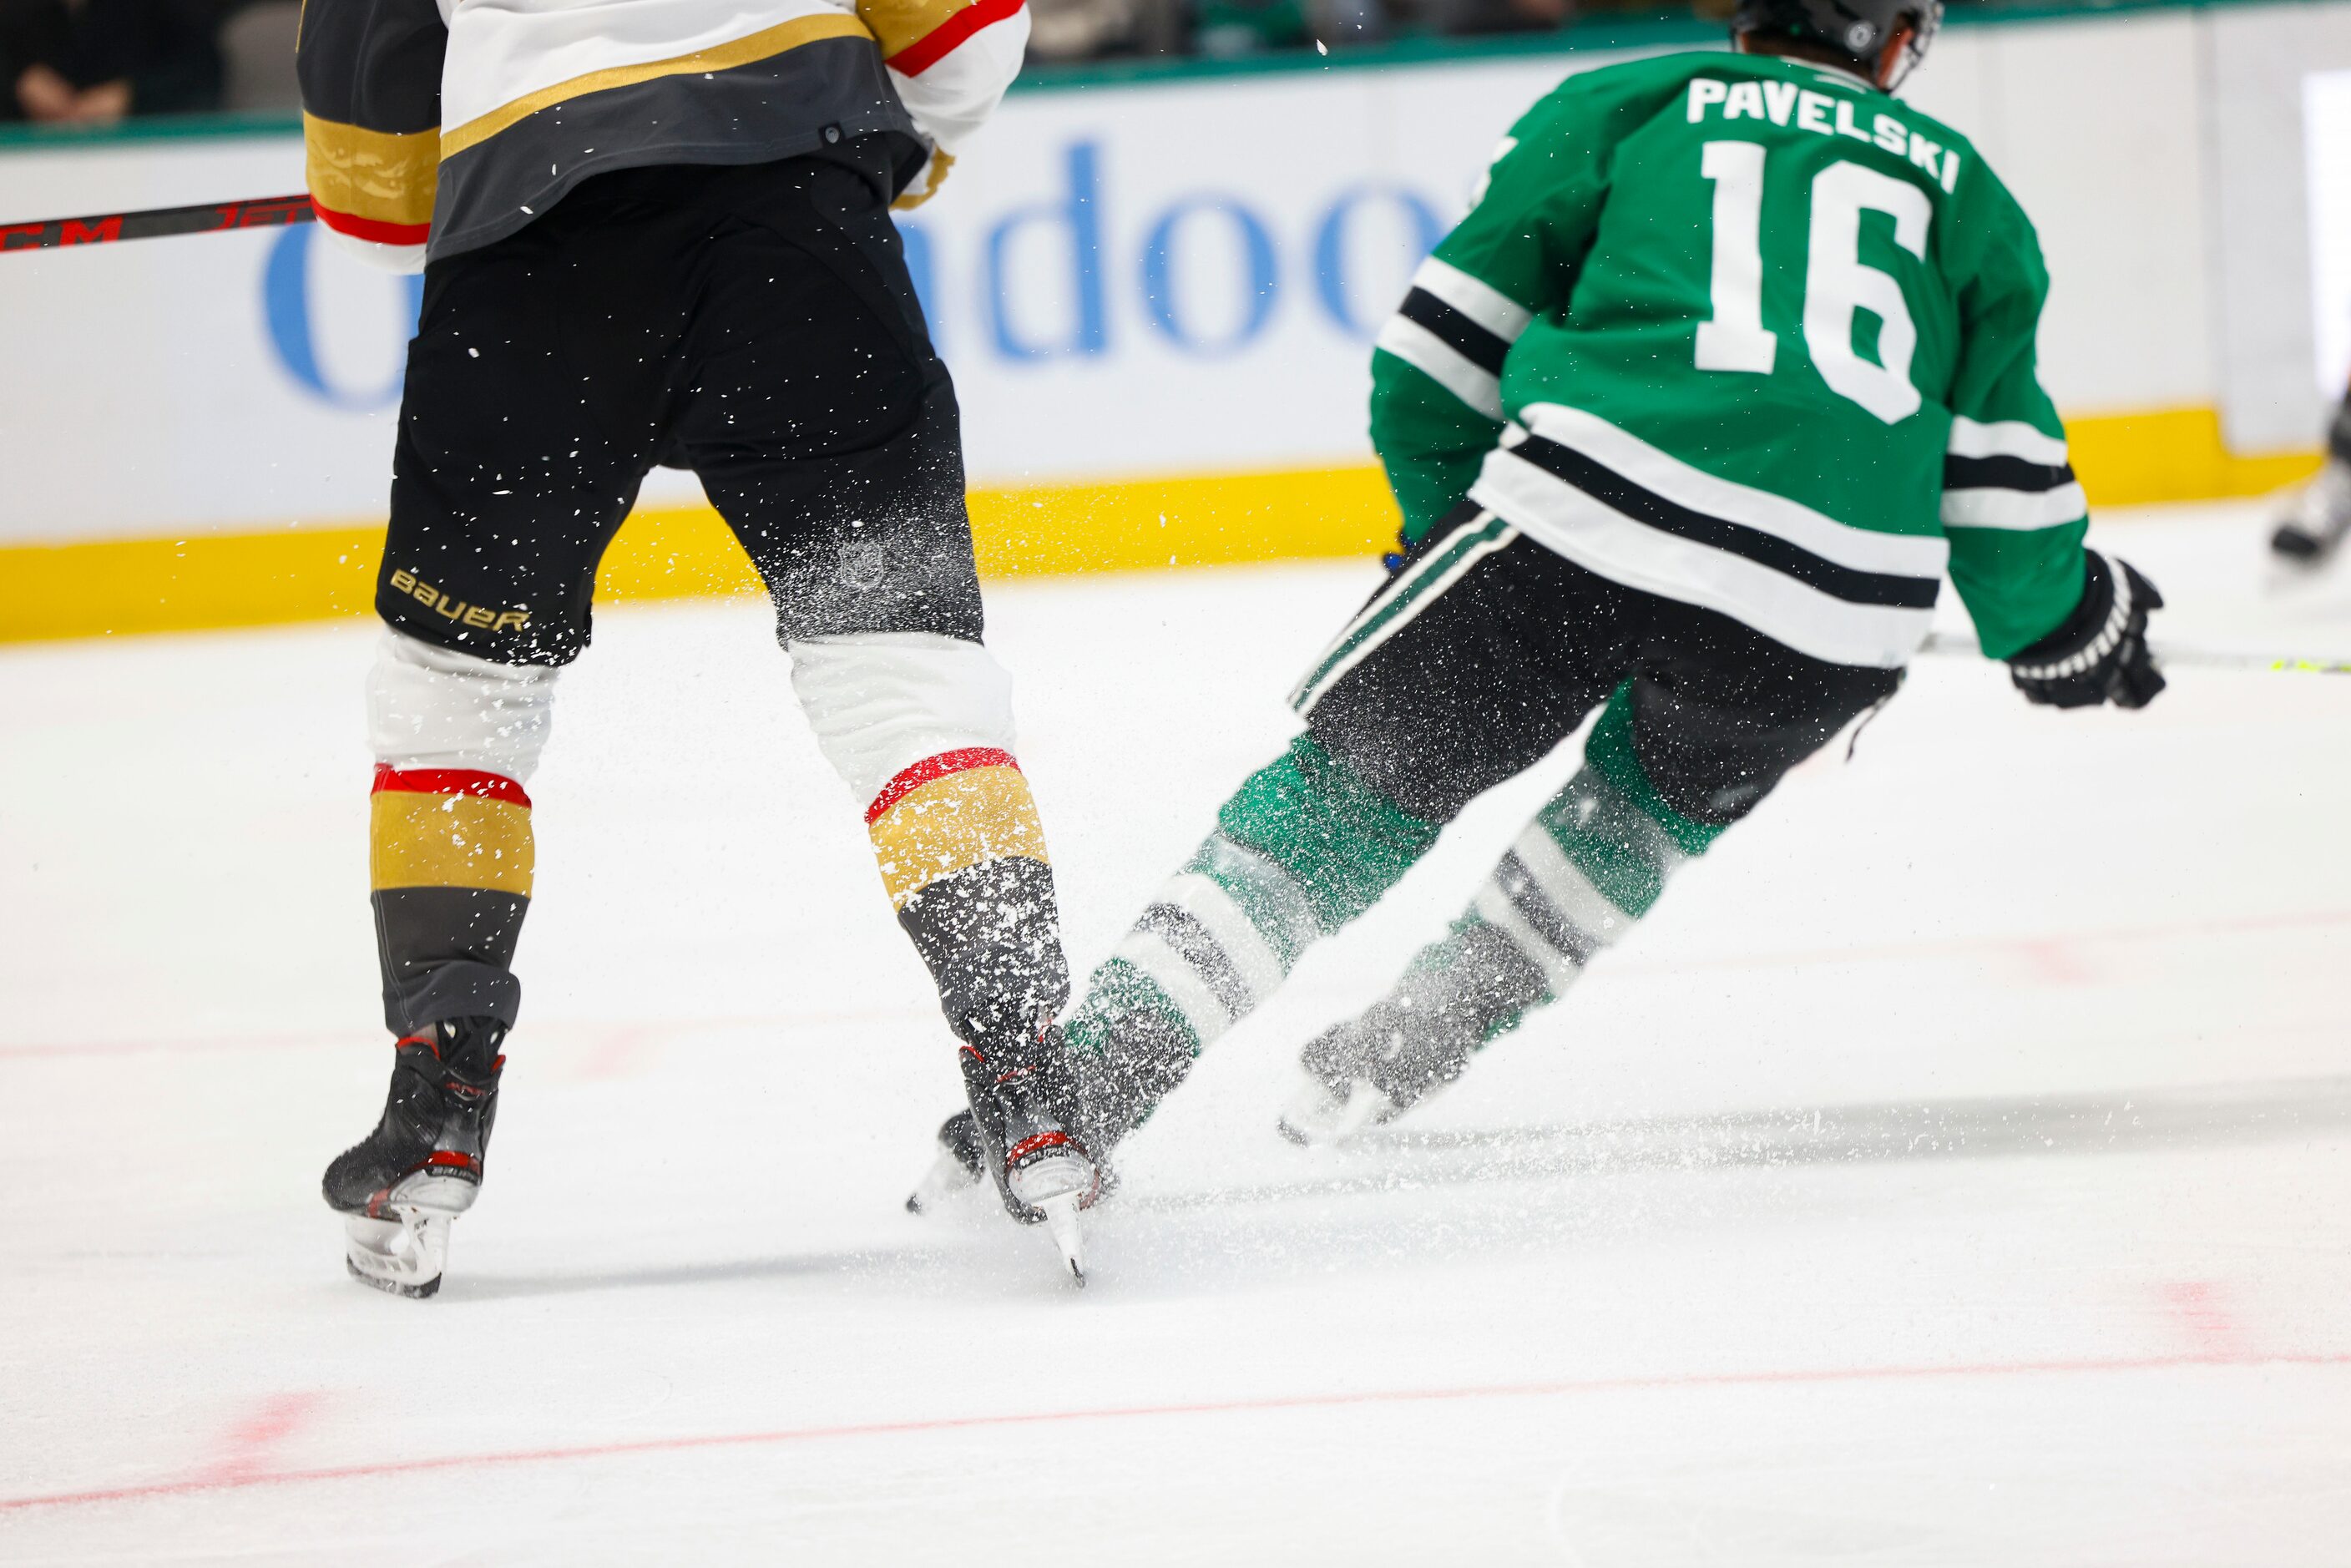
column 961, row 1165
column 1459, row 994
column 1369, row 1071
column 1024, row 1103
column 399, row 1187
column 2311, row 533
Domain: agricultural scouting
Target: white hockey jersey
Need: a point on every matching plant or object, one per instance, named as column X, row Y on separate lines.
column 436, row 126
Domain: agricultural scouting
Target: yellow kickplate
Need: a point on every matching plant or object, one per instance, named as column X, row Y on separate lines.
column 119, row 587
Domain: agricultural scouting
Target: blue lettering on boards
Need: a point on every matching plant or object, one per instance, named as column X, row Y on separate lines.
column 1260, row 283
column 1330, row 251
column 1079, row 215
column 286, row 306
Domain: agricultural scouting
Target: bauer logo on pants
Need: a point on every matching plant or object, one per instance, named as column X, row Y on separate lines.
column 480, row 617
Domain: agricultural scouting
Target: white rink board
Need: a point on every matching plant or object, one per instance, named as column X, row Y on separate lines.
column 1156, row 279
column 1955, row 1170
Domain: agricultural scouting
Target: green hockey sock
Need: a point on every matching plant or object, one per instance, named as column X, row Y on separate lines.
column 1593, row 861
column 1302, row 848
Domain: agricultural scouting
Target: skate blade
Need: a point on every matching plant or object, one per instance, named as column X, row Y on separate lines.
column 1057, row 1187
column 1062, row 1224
column 406, row 1253
column 1320, row 1117
column 947, row 1177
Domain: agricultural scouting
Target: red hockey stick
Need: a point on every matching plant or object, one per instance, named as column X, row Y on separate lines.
column 105, row 228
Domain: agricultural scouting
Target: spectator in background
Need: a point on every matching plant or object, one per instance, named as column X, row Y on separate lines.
column 93, row 62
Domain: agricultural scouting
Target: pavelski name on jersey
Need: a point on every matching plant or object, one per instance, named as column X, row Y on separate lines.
column 1784, row 103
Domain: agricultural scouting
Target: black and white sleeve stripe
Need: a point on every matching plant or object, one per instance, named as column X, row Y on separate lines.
column 2008, row 475
column 1456, row 330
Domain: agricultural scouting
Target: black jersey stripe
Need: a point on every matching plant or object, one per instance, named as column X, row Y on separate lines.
column 1474, row 343
column 1612, row 489
column 2004, row 474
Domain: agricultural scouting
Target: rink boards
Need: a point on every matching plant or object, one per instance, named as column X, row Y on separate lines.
column 1157, row 293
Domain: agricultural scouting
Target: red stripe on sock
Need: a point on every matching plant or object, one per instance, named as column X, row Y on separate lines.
column 449, row 781
column 380, row 232
column 1026, row 1146
column 940, row 41
column 935, row 768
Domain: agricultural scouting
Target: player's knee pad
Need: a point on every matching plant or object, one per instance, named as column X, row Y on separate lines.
column 882, row 703
column 432, row 708
column 919, row 726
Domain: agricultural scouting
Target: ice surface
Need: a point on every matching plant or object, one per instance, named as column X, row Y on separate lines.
column 1956, row 1170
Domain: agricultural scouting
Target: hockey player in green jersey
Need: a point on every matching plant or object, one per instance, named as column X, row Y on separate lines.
column 1731, row 360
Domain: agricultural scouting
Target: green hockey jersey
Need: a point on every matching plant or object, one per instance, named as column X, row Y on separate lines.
column 1750, row 334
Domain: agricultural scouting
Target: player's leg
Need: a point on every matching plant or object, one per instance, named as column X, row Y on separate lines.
column 825, row 430
column 1715, row 716
column 506, row 489
column 1466, row 668
column 2321, row 516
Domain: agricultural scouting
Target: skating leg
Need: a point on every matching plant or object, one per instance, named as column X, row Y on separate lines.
column 1592, row 862
column 1301, row 849
column 920, row 725
column 1688, row 747
column 451, row 859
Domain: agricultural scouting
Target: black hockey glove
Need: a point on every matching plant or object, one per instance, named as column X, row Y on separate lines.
column 2100, row 654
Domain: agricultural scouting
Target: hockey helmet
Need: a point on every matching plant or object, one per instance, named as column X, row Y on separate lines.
column 1855, row 29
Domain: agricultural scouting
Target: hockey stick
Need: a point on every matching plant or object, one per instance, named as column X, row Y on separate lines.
column 157, row 223
column 2172, row 654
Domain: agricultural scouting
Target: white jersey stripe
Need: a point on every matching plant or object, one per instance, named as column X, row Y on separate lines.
column 1481, row 302
column 1443, row 363
column 1863, row 549
column 1559, row 517
column 1305, row 699
column 1494, row 908
column 1214, row 909
column 2018, row 510
column 1174, row 974
column 2004, row 438
column 1570, row 893
column 499, row 53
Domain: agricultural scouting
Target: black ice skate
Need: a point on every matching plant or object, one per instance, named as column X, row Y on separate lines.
column 1024, row 1102
column 400, row 1187
column 2314, row 530
column 961, row 1163
column 1459, row 994
column 1368, row 1071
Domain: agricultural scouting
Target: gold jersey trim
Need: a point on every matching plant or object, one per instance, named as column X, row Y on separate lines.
column 765, row 44
column 386, row 176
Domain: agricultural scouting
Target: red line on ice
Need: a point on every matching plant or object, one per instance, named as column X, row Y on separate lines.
column 249, row 1441
column 378, row 1470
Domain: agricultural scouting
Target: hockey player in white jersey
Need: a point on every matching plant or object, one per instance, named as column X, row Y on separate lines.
column 657, row 231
